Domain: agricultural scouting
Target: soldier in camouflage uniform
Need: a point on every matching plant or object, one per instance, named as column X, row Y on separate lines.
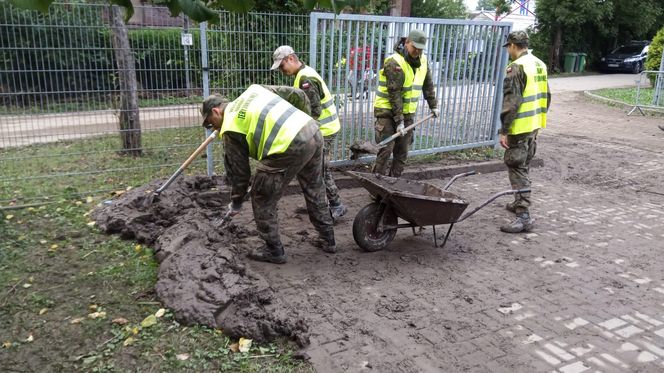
column 322, row 109
column 404, row 76
column 526, row 99
column 264, row 123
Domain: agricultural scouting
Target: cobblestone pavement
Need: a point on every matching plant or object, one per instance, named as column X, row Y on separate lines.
column 583, row 292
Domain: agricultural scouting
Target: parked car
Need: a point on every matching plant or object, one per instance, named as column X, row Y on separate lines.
column 629, row 57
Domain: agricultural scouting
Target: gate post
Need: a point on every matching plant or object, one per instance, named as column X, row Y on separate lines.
column 498, row 105
column 206, row 91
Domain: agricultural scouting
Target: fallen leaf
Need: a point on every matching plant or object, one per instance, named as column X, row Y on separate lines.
column 128, row 341
column 182, row 357
column 92, row 224
column 43, row 311
column 120, row 321
column 92, row 307
column 77, row 320
column 78, row 203
column 89, row 360
column 88, row 199
column 43, row 242
column 54, row 246
column 9, row 217
column 234, row 347
column 160, row 313
column 30, row 338
column 149, row 321
column 31, row 279
column 6, row 344
column 135, row 330
column 97, row 315
column 138, row 248
column 244, row 344
column 26, row 285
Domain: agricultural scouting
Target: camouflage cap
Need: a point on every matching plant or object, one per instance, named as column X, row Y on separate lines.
column 279, row 54
column 418, row 38
column 517, row 37
column 214, row 100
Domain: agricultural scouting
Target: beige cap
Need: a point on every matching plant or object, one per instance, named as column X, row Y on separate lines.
column 279, row 54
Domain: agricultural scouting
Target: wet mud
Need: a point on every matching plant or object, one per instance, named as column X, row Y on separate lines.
column 202, row 275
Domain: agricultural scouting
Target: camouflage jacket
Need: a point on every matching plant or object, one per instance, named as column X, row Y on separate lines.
column 395, row 80
column 314, row 91
column 513, row 86
column 236, row 149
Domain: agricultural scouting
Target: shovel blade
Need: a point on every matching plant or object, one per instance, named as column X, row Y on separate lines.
column 363, row 147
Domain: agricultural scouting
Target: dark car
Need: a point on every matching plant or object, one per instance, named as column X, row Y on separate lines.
column 629, row 57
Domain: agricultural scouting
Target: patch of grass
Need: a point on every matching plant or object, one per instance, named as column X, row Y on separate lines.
column 56, row 270
column 627, row 95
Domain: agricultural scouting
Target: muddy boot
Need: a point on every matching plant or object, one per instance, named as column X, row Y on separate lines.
column 327, row 242
column 511, row 207
column 522, row 223
column 268, row 254
column 337, row 210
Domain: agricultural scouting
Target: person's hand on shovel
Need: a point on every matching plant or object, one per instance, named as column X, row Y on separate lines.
column 401, row 129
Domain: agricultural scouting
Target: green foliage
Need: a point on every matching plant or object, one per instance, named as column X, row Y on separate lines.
column 486, row 5
column 449, row 9
column 655, row 54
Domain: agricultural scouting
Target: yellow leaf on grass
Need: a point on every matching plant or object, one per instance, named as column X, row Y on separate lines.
column 88, row 199
column 92, row 224
column 77, row 320
column 31, row 279
column 26, row 285
column 135, row 330
column 6, row 344
column 149, row 321
column 78, row 203
column 182, row 357
column 54, row 246
column 97, row 315
column 128, row 341
column 43, row 311
column 92, row 307
column 234, row 347
column 120, row 321
column 9, row 217
column 43, row 242
column 138, row 248
column 244, row 344
column 160, row 313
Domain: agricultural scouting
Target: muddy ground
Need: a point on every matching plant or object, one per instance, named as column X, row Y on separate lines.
column 414, row 307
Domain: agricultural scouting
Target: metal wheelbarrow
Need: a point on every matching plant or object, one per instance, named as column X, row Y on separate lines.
column 418, row 203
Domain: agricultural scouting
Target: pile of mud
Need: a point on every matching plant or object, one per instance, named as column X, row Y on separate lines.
column 202, row 276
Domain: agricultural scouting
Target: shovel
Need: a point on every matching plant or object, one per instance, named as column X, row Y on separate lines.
column 155, row 196
column 366, row 147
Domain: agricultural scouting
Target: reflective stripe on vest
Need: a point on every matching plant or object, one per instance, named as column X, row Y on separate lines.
column 532, row 111
column 329, row 121
column 412, row 85
column 268, row 122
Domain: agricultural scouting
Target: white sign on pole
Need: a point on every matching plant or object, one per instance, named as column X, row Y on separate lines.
column 187, row 39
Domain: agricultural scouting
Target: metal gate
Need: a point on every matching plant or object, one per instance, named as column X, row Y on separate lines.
column 467, row 62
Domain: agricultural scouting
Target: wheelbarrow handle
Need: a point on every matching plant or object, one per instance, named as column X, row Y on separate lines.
column 491, row 199
column 453, row 179
column 398, row 134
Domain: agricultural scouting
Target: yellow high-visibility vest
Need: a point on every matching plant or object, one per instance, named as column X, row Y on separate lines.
column 412, row 85
column 269, row 122
column 329, row 120
column 532, row 111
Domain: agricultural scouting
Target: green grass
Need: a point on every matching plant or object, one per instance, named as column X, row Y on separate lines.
column 56, row 270
column 627, row 95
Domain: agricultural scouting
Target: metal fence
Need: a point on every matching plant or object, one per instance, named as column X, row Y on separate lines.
column 467, row 62
column 649, row 91
column 60, row 96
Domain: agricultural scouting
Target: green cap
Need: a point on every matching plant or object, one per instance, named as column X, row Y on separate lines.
column 214, row 100
column 418, row 38
column 517, row 37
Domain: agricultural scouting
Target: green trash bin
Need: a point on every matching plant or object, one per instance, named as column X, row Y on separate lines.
column 581, row 62
column 570, row 62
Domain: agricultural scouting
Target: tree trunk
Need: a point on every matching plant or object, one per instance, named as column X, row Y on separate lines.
column 130, row 124
column 554, row 51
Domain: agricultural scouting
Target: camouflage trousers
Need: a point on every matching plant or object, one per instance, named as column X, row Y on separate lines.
column 521, row 150
column 385, row 127
column 304, row 160
column 331, row 189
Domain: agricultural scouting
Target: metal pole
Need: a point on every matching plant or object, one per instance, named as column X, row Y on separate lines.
column 187, row 75
column 206, row 91
column 659, row 85
column 497, row 105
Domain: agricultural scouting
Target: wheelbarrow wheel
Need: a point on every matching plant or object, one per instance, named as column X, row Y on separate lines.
column 365, row 226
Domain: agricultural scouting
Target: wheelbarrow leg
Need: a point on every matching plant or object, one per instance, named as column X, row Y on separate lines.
column 447, row 235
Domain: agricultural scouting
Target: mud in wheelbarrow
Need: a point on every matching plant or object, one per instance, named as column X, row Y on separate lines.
column 419, row 203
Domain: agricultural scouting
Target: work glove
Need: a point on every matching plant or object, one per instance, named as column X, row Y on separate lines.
column 401, row 129
column 435, row 112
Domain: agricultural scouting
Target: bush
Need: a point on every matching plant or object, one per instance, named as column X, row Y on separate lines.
column 655, row 54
